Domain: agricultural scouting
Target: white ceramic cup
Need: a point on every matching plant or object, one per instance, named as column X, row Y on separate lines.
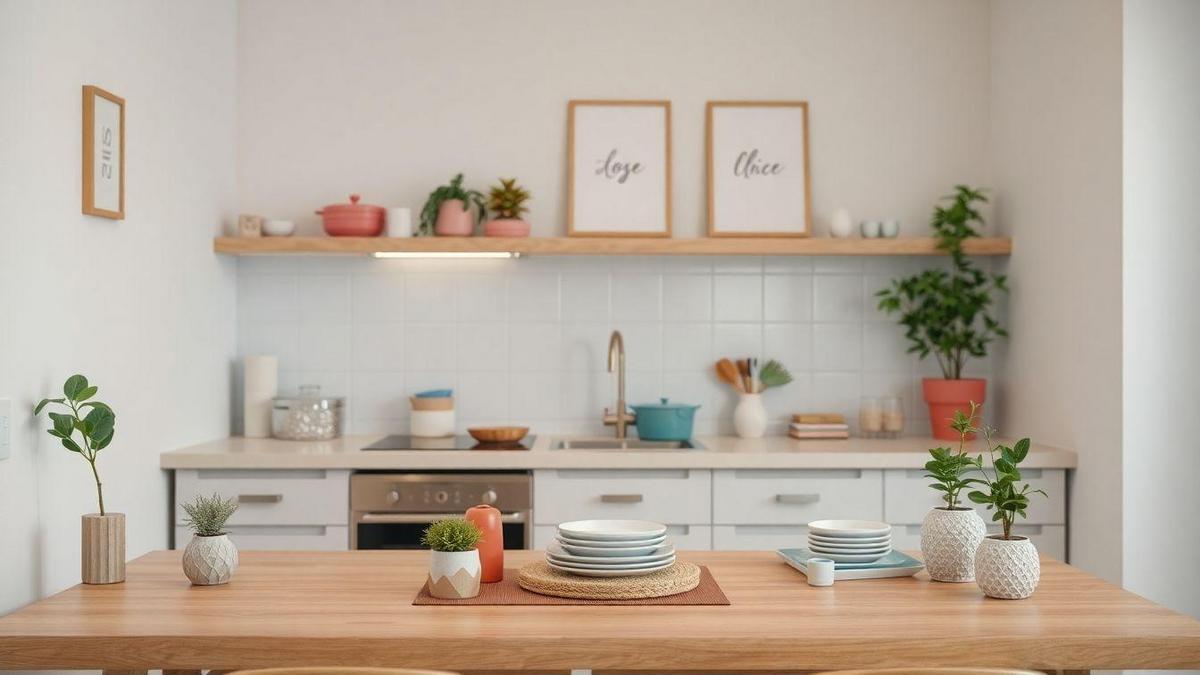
column 399, row 222
column 870, row 229
column 890, row 228
column 820, row 571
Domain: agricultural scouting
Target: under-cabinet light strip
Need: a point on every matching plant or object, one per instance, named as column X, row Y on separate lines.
column 446, row 254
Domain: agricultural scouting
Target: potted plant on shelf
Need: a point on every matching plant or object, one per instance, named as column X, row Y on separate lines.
column 507, row 201
column 950, row 534
column 210, row 557
column 949, row 313
column 1006, row 566
column 87, row 429
column 454, row 566
column 447, row 212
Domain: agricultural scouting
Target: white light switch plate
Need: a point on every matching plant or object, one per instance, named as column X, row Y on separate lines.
column 5, row 427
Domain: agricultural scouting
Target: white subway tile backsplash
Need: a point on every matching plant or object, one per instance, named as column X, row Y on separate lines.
column 526, row 341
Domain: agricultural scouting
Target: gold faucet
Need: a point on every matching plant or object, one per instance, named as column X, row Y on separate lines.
column 622, row 418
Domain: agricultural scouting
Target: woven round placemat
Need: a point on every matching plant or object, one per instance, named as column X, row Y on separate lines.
column 538, row 577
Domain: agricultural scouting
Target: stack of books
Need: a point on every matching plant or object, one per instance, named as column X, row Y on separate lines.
column 818, row 425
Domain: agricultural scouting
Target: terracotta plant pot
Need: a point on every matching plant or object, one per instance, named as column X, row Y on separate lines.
column 1007, row 569
column 103, row 550
column 949, row 540
column 454, row 220
column 506, row 227
column 210, row 561
column 454, row 575
column 947, row 396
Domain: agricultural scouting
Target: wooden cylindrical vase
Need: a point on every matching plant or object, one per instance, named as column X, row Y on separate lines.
column 103, row 549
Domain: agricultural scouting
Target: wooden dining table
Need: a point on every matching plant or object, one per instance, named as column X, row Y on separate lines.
column 355, row 608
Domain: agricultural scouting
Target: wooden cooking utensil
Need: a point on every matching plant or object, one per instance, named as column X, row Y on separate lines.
column 744, row 371
column 728, row 373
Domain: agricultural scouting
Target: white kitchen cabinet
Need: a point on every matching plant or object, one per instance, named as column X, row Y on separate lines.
column 795, row 497
column 1050, row 540
column 909, row 497
column 685, row 537
column 280, row 537
column 758, row 537
column 681, row 496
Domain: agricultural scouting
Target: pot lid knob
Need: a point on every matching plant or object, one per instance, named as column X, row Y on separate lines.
column 354, row 198
column 663, row 400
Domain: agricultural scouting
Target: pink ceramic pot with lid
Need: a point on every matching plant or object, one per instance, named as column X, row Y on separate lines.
column 353, row 219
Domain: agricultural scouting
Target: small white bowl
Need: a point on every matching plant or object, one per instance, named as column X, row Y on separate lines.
column 278, row 228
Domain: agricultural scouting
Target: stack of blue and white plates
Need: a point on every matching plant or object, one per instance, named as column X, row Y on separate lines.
column 850, row 541
column 611, row 548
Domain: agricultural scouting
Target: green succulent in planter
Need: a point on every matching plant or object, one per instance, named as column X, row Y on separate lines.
column 454, row 190
column 87, row 428
column 507, row 200
column 1001, row 492
column 207, row 515
column 949, row 313
column 452, row 535
column 949, row 468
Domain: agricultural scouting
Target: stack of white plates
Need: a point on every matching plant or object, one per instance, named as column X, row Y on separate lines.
column 850, row 541
column 611, row 548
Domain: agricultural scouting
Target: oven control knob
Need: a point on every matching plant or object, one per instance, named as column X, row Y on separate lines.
column 489, row 497
column 441, row 496
column 393, row 496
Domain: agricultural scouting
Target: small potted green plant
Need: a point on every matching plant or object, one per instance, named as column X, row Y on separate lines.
column 447, row 212
column 210, row 557
column 949, row 313
column 85, row 429
column 507, row 202
column 950, row 534
column 1006, row 566
column 454, row 566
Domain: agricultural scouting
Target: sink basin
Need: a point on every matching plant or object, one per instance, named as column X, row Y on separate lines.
column 627, row 444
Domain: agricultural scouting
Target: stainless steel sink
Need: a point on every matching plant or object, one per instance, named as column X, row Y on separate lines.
column 626, row 444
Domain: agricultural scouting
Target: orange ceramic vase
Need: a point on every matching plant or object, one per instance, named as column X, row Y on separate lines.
column 491, row 547
column 947, row 396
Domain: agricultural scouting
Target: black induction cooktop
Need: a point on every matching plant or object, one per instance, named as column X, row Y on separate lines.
column 403, row 442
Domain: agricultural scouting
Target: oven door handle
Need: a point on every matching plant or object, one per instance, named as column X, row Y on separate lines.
column 418, row 518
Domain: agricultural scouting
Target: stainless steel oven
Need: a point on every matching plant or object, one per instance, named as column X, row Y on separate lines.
column 391, row 510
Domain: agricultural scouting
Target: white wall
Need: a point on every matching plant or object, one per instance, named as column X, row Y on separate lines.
column 141, row 306
column 1161, row 240
column 1056, row 155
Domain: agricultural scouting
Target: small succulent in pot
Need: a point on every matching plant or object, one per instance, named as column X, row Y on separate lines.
column 951, row 534
column 454, row 565
column 210, row 557
column 447, row 212
column 507, row 202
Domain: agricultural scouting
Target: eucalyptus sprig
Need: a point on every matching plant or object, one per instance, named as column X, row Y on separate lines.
column 948, row 467
column 1002, row 494
column 445, row 193
column 949, row 313
column 95, row 428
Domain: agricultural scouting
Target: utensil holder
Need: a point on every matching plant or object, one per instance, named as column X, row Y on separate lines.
column 750, row 416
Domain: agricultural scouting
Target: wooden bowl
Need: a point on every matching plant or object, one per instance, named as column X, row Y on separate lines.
column 498, row 434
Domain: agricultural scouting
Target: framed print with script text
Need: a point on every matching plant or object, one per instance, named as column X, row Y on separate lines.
column 758, row 180
column 103, row 153
column 619, row 168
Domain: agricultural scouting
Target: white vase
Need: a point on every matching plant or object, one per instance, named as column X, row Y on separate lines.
column 454, row 575
column 750, row 416
column 948, row 543
column 210, row 561
column 841, row 225
column 1007, row 568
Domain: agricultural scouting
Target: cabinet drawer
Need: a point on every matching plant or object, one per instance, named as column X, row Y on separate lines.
column 758, row 537
column 280, row 537
column 685, row 537
column 909, row 496
column 758, row 497
column 1050, row 540
column 287, row 497
column 668, row 495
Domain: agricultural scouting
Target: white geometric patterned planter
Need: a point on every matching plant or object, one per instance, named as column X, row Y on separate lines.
column 209, row 561
column 948, row 543
column 1007, row 569
column 454, row 575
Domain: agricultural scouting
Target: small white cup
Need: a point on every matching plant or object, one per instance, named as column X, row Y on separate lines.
column 399, row 222
column 890, row 229
column 870, row 229
column 820, row 571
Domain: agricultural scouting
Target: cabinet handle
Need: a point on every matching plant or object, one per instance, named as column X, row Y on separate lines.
column 621, row 499
column 798, row 499
column 259, row 499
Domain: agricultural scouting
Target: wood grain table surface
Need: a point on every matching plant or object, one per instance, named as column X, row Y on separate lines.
column 354, row 608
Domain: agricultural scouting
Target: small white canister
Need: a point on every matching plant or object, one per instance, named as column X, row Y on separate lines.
column 431, row 417
column 399, row 222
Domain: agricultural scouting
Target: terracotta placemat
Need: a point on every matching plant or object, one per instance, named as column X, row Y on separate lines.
column 509, row 592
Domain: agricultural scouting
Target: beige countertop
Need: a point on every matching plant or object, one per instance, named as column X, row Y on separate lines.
column 718, row 452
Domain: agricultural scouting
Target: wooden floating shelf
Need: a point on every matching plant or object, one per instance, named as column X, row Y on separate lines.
column 715, row 246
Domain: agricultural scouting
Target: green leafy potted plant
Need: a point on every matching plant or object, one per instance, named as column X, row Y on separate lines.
column 507, row 201
column 1006, row 566
column 85, row 429
column 210, row 557
column 948, row 313
column 951, row 534
column 447, row 212
column 454, row 566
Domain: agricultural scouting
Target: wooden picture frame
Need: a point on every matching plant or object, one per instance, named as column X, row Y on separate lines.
column 103, row 153
column 736, row 132
column 600, row 201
